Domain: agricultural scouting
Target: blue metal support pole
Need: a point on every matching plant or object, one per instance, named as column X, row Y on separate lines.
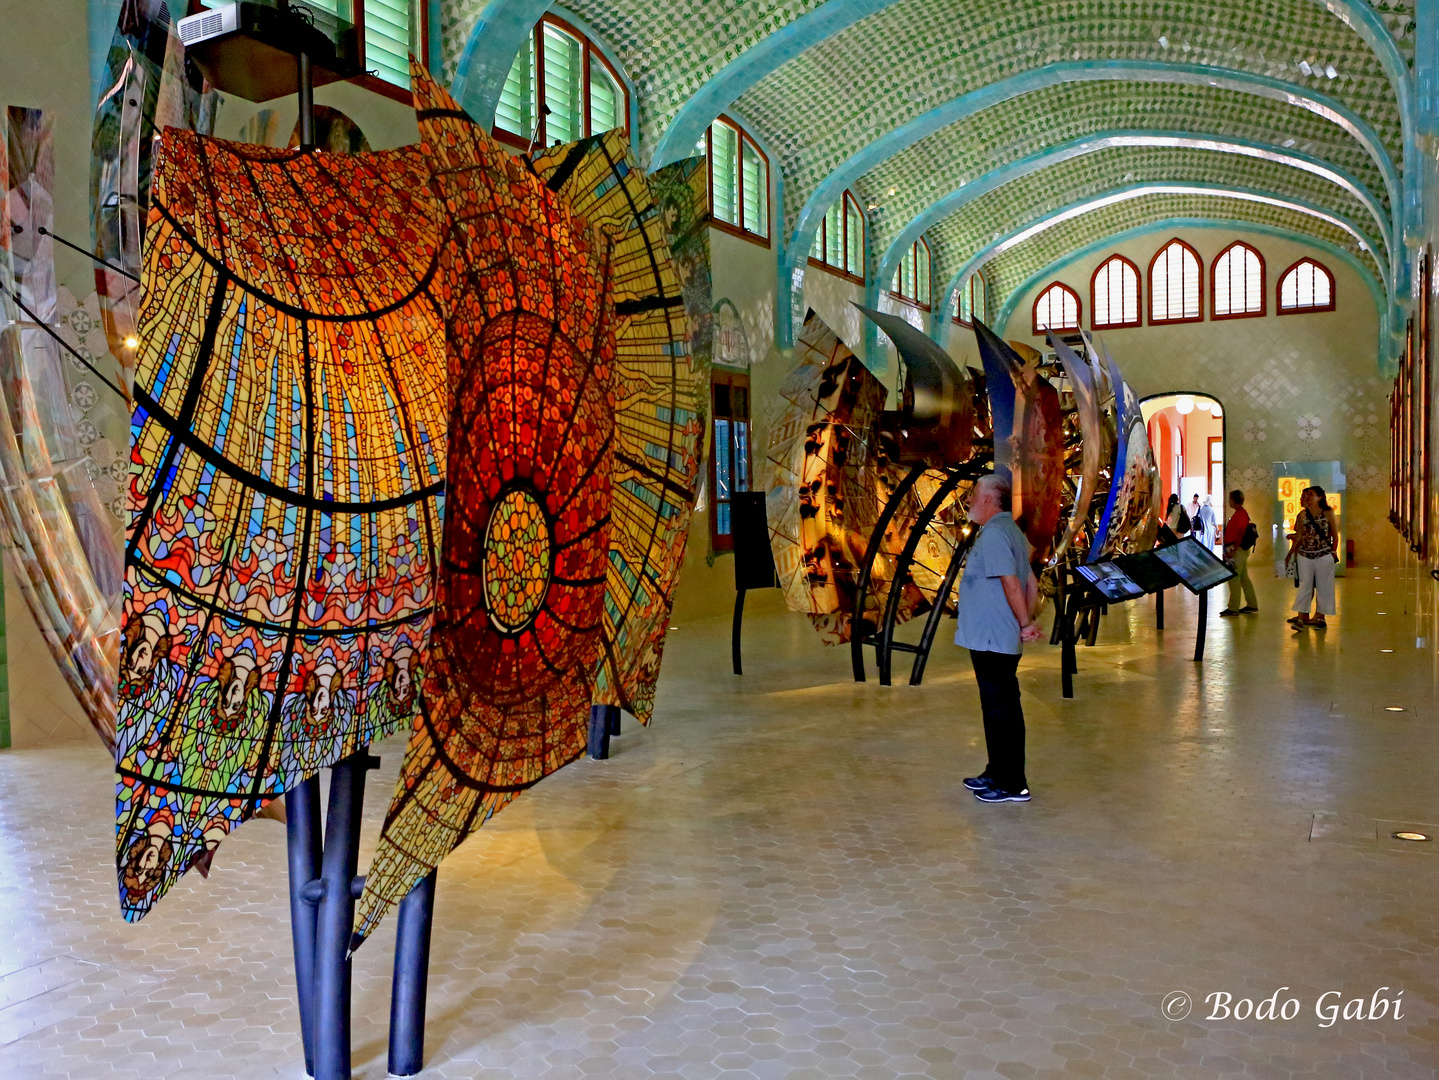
column 337, row 914
column 302, row 827
column 601, row 725
column 412, row 978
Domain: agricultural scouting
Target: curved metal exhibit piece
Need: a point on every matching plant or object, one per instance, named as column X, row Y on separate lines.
column 1096, row 442
column 838, row 505
column 1028, row 436
column 936, row 413
column 146, row 88
column 1132, row 512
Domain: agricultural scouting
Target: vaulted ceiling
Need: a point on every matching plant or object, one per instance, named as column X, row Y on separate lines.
column 979, row 122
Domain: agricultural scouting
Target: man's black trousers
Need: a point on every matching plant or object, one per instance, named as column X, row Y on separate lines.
column 997, row 675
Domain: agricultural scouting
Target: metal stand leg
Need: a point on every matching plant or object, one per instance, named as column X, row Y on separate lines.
column 306, row 102
column 337, row 914
column 302, row 827
column 735, row 630
column 412, row 977
column 1068, row 662
column 600, row 724
column 1203, row 622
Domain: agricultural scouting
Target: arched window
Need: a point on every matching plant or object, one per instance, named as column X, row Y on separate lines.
column 1174, row 285
column 560, row 70
column 739, row 181
column 839, row 240
column 972, row 300
column 1114, row 294
column 1237, row 283
column 911, row 277
column 1306, row 286
column 1056, row 309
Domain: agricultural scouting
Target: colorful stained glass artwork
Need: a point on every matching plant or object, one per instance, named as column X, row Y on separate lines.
column 288, row 451
column 828, row 477
column 1028, row 436
column 1097, row 441
column 1133, row 510
column 662, row 393
column 61, row 549
column 534, row 465
column 603, row 473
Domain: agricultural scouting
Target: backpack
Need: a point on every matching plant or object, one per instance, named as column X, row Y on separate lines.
column 1185, row 525
column 1250, row 537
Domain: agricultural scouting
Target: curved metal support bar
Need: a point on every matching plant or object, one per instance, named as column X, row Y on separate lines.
column 967, row 105
column 1090, row 144
column 1232, row 224
column 884, row 649
column 936, row 613
column 876, row 537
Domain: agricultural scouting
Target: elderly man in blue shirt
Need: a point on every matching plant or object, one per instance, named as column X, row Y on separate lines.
column 998, row 597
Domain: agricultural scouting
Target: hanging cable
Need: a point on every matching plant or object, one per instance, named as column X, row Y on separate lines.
column 63, row 343
column 89, row 255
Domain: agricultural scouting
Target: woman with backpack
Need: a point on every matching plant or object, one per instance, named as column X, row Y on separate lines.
column 1315, row 550
column 1240, row 536
column 1176, row 518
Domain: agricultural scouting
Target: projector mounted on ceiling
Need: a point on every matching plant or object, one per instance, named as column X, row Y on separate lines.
column 252, row 48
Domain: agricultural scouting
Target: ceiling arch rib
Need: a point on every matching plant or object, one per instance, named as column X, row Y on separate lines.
column 932, row 215
column 921, row 174
column 1157, row 225
column 968, row 105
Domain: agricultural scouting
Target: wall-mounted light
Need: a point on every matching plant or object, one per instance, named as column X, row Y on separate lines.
column 132, row 342
column 1185, row 405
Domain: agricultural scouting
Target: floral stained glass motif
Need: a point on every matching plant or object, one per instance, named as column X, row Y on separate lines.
column 530, row 331
column 660, row 412
column 577, row 408
column 287, row 463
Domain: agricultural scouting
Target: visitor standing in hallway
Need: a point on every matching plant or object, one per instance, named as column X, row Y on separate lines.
column 1315, row 549
column 1240, row 536
column 997, row 600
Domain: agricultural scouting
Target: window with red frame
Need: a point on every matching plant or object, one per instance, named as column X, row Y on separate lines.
column 839, row 241
column 1114, row 294
column 1056, row 308
column 972, row 300
column 560, row 89
column 739, row 181
column 1176, row 292
column 1236, row 283
column 911, row 277
column 1306, row 286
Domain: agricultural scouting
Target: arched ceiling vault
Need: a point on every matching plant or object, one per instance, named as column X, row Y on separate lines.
column 1027, row 199
column 912, row 101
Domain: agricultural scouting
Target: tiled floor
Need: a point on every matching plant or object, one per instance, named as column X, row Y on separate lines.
column 784, row 879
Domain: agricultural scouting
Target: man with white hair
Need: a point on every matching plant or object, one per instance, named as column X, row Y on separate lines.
column 997, row 599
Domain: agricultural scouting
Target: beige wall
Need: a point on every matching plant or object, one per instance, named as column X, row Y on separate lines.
column 1293, row 387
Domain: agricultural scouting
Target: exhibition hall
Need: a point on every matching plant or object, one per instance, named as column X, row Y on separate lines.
column 732, row 540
